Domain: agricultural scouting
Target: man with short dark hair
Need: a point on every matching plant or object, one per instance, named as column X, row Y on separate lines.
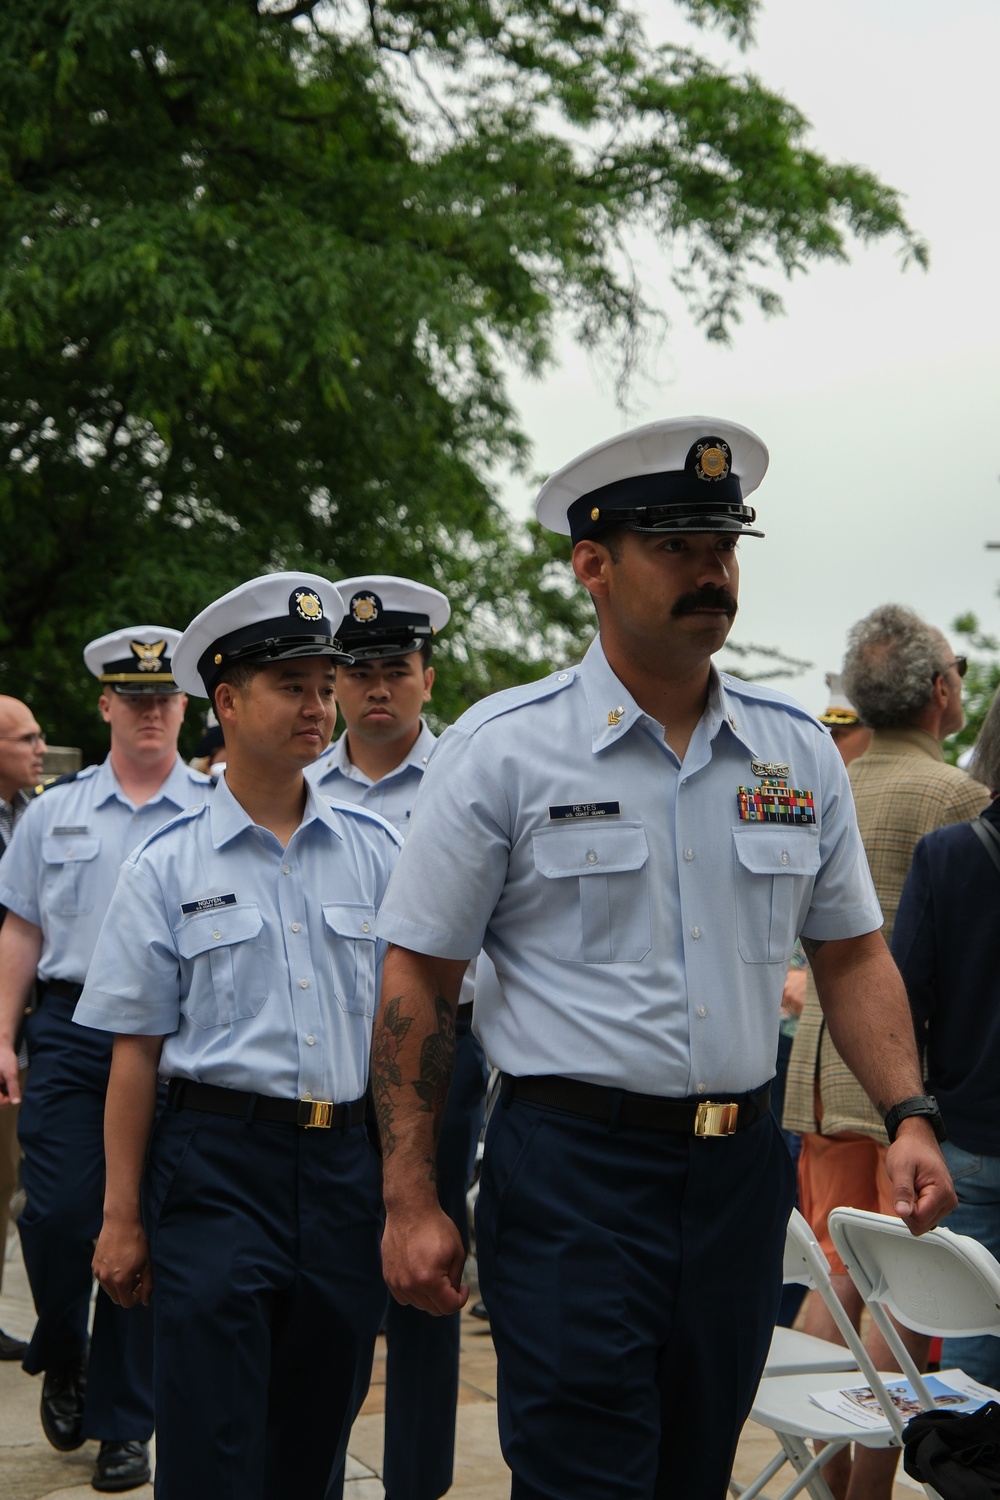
column 635, row 842
column 249, row 986
column 56, row 879
column 906, row 683
column 22, row 746
column 379, row 762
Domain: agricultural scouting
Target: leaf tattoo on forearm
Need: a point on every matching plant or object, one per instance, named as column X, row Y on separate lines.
column 437, row 1061
column 386, row 1073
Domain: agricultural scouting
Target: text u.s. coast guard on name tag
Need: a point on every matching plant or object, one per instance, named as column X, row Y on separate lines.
column 206, row 903
column 585, row 810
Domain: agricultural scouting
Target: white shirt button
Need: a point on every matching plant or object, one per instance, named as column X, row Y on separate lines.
column 216, row 935
column 700, row 1088
column 703, row 1011
column 286, row 869
column 366, row 927
column 303, row 984
column 696, row 932
column 689, row 854
column 562, row 677
column 296, row 927
column 592, row 856
column 310, row 1041
column 784, row 856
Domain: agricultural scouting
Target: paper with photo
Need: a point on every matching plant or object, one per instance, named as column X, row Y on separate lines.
column 858, row 1404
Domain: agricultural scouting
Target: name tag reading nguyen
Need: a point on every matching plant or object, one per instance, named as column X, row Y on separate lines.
column 207, row 903
column 585, row 810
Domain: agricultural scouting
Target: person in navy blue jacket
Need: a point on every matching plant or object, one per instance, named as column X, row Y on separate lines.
column 947, row 945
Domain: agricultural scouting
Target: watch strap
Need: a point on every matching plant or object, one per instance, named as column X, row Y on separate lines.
column 918, row 1104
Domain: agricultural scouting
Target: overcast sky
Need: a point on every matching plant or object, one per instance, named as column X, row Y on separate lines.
column 877, row 392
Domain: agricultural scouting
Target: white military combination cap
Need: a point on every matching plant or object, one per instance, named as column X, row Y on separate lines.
column 387, row 616
column 681, row 474
column 840, row 711
column 273, row 618
column 135, row 659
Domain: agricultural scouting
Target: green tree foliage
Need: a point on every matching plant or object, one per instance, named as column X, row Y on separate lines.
column 982, row 680
column 263, row 264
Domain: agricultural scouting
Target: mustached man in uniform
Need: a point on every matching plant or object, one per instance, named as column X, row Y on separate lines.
column 238, row 963
column 635, row 842
column 379, row 762
column 56, row 880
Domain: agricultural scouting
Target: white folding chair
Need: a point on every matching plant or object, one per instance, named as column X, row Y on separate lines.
column 795, row 1353
column 783, row 1401
column 942, row 1284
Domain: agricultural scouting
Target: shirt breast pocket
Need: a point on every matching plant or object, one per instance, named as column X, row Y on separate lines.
column 774, row 873
column 225, row 941
column 351, row 933
column 70, row 872
column 597, row 898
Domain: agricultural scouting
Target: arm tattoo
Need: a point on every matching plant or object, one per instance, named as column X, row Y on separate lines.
column 811, row 946
column 386, row 1074
column 437, row 1060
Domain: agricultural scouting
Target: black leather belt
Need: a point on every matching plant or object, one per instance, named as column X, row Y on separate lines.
column 308, row 1114
column 621, row 1110
column 61, row 987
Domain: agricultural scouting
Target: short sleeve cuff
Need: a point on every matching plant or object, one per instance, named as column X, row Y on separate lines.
column 20, row 904
column 849, row 922
column 106, row 1012
column 423, row 939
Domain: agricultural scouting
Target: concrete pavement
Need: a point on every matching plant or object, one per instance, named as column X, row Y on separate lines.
column 31, row 1470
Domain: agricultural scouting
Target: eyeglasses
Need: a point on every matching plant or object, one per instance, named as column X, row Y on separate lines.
column 34, row 740
column 960, row 664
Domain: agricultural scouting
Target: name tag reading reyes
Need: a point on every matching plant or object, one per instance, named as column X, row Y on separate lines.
column 585, row 810
column 69, row 829
column 207, row 903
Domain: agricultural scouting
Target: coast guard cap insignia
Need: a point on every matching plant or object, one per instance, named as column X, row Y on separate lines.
column 712, row 459
column 307, row 605
column 364, row 608
column 148, row 657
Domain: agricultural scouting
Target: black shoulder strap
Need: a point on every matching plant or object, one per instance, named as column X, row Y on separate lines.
column 988, row 837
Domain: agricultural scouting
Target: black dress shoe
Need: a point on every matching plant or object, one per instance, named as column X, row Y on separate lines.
column 10, row 1347
column 63, row 1390
column 121, row 1466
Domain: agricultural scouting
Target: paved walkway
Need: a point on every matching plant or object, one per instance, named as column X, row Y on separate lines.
column 31, row 1470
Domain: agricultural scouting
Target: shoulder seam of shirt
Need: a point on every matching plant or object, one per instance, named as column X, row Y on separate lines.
column 509, row 699
column 357, row 811
column 185, row 815
column 759, row 692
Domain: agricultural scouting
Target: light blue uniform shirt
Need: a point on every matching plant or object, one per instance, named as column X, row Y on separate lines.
column 258, row 965
column 643, row 946
column 60, row 869
column 392, row 795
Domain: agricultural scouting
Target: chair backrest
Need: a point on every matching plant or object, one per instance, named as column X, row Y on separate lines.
column 795, row 1265
column 936, row 1283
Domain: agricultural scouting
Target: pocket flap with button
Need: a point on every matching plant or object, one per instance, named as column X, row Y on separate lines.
column 219, row 927
column 589, row 849
column 777, row 851
column 350, row 919
column 68, row 848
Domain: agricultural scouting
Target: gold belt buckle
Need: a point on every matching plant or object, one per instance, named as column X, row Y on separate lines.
column 716, row 1119
column 318, row 1114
